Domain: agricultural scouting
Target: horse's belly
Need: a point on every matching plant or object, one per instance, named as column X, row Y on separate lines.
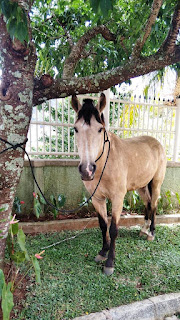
column 140, row 177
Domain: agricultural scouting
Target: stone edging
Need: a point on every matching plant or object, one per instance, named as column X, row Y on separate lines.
column 80, row 224
column 156, row 308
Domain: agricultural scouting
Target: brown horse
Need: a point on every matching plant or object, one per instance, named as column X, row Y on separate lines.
column 133, row 164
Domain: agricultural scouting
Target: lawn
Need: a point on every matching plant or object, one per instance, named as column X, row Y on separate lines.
column 73, row 284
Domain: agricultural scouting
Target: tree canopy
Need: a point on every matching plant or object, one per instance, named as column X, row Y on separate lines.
column 109, row 40
column 88, row 46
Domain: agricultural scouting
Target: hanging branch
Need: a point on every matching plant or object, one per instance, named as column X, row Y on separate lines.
column 156, row 5
column 103, row 80
column 170, row 41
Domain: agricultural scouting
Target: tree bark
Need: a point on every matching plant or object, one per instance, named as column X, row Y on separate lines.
column 60, row 88
column 16, row 101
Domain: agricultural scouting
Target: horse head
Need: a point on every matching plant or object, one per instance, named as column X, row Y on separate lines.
column 89, row 129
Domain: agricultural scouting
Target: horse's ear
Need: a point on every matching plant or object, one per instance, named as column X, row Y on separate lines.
column 102, row 102
column 75, row 103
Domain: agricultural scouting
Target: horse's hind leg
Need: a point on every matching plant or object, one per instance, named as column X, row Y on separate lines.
column 155, row 189
column 150, row 195
column 100, row 206
column 146, row 197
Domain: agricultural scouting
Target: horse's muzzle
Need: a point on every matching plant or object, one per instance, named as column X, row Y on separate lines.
column 87, row 171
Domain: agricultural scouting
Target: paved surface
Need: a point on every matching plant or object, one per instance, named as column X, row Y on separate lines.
column 163, row 307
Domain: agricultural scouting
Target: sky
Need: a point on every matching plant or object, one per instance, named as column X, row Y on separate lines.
column 163, row 91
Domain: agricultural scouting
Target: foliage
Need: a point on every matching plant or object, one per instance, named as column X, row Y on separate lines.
column 84, row 202
column 7, row 300
column 17, row 205
column 38, row 202
column 102, row 6
column 56, row 24
column 20, row 257
column 168, row 202
column 74, row 285
column 133, row 202
column 16, row 19
column 58, row 203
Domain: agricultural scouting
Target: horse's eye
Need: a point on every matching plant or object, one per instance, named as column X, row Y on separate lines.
column 100, row 130
column 75, row 129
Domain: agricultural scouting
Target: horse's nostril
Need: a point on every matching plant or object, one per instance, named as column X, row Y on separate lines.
column 92, row 168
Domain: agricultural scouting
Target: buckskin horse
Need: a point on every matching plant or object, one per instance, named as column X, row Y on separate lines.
column 137, row 163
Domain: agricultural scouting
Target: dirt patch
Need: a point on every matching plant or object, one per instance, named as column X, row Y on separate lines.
column 21, row 289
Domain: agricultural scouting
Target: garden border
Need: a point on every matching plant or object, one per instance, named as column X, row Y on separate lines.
column 153, row 308
column 87, row 223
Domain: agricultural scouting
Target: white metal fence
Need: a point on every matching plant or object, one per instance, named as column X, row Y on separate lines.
column 51, row 131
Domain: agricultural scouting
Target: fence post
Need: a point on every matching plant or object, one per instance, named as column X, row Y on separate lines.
column 177, row 132
column 107, row 108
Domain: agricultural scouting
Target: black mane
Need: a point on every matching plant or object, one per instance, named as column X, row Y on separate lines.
column 88, row 110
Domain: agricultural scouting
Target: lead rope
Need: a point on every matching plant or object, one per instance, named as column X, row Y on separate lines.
column 19, row 145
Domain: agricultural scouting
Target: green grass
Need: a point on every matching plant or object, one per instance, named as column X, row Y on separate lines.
column 73, row 284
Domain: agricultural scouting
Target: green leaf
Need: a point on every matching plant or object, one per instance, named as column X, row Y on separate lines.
column 22, row 241
column 2, row 281
column 36, row 269
column 7, row 301
column 2, row 209
column 41, row 199
column 18, row 257
column 53, row 199
column 12, row 26
column 22, row 32
column 14, row 228
column 37, row 207
column 6, row 8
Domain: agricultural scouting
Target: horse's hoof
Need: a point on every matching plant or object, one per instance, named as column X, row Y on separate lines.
column 143, row 233
column 150, row 237
column 100, row 258
column 108, row 271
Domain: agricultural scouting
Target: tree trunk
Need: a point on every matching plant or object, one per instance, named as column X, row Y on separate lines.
column 16, row 94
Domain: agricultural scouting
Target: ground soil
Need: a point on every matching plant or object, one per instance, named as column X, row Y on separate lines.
column 49, row 217
column 21, row 288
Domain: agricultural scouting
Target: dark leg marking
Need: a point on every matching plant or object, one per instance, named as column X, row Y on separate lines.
column 103, row 226
column 109, row 265
column 152, row 226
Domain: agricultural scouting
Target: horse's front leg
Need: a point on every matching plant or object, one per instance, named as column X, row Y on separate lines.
column 117, row 206
column 100, row 206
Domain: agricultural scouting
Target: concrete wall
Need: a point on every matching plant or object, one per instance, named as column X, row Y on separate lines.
column 62, row 176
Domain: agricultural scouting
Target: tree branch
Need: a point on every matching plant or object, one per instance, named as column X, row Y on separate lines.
column 170, row 41
column 64, row 87
column 78, row 48
column 156, row 5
